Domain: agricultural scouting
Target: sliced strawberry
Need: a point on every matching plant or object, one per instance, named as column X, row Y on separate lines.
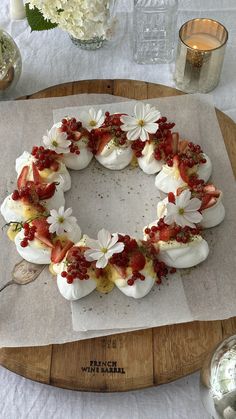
column 59, row 252
column 183, row 170
column 44, row 240
column 182, row 145
column 137, row 261
column 210, row 189
column 207, row 202
column 22, row 179
column 166, row 234
column 104, row 139
column 175, row 142
column 36, row 175
column 46, row 191
column 42, row 226
column 171, row 197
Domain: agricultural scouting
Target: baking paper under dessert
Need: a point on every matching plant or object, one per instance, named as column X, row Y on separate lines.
column 36, row 314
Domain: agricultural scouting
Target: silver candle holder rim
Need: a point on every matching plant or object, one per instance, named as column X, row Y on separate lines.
column 202, row 19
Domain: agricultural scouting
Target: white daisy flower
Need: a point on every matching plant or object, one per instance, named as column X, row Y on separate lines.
column 102, row 249
column 56, row 140
column 61, row 221
column 142, row 123
column 185, row 211
column 92, row 119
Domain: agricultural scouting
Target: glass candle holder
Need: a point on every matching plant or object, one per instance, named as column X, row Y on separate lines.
column 200, row 55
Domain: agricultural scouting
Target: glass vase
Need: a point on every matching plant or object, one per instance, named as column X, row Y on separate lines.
column 109, row 28
column 10, row 63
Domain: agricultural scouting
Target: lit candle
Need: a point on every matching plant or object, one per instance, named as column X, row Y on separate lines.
column 202, row 41
column 200, row 55
column 17, row 9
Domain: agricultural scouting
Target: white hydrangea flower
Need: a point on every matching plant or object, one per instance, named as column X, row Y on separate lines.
column 142, row 123
column 56, row 140
column 92, row 119
column 83, row 19
column 61, row 221
column 102, row 249
column 185, row 211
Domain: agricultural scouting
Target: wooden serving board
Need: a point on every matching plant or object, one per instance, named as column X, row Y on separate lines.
column 131, row 360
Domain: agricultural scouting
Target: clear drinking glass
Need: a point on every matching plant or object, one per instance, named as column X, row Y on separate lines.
column 154, row 23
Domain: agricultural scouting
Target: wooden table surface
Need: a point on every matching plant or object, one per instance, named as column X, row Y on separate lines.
column 129, row 360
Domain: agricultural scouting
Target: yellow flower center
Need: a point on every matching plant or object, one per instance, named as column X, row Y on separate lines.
column 61, row 220
column 92, row 123
column 141, row 122
column 55, row 143
column 104, row 249
column 181, row 211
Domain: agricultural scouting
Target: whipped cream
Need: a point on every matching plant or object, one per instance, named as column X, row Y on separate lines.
column 169, row 179
column 35, row 252
column 62, row 175
column 147, row 162
column 18, row 211
column 113, row 157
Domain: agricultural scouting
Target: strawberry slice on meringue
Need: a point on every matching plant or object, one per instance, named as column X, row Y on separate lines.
column 112, row 149
column 49, row 165
column 40, row 241
column 179, row 169
column 212, row 208
column 79, row 155
column 31, row 198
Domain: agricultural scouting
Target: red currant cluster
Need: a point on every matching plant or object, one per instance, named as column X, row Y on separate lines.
column 77, row 266
column 134, row 277
column 165, row 232
column 161, row 270
column 137, row 147
column 45, row 158
column 29, row 233
column 93, row 141
column 112, row 120
column 192, row 156
column 70, row 127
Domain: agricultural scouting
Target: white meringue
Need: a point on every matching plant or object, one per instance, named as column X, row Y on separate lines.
column 115, row 158
column 169, row 179
column 147, row 162
column 211, row 216
column 18, row 211
column 181, row 255
column 79, row 161
column 62, row 176
column 35, row 252
column 140, row 288
column 214, row 215
column 78, row 289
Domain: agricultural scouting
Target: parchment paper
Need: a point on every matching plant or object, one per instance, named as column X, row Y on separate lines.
column 36, row 314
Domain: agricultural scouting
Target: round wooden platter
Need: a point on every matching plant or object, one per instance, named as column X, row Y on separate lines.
column 132, row 360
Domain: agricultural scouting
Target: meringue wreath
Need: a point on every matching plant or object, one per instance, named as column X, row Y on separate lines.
column 45, row 233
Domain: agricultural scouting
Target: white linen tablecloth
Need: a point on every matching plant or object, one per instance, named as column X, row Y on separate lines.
column 50, row 58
